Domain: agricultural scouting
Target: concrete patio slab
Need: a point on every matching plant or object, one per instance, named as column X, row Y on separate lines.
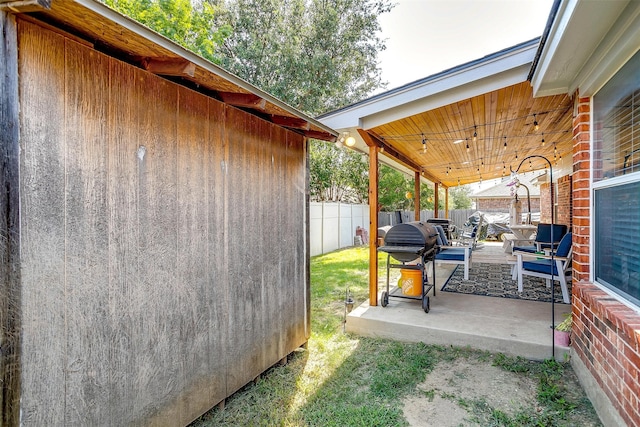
column 510, row 326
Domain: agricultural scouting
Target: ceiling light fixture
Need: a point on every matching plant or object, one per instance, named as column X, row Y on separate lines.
column 350, row 141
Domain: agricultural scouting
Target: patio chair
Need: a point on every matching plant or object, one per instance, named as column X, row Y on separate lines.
column 542, row 240
column 468, row 235
column 541, row 266
column 449, row 254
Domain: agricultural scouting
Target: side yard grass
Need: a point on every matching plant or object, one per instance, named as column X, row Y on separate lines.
column 345, row 380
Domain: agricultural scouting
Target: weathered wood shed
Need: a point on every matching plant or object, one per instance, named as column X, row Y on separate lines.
column 154, row 229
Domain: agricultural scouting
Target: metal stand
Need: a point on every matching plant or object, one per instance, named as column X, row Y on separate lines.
column 426, row 287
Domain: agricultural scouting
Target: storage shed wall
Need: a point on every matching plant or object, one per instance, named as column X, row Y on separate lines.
column 163, row 241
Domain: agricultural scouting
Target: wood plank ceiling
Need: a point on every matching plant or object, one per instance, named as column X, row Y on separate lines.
column 503, row 122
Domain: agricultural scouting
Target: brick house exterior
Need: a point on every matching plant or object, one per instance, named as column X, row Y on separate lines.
column 606, row 332
column 606, row 323
column 503, row 204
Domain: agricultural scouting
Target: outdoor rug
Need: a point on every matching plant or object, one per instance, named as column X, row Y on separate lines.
column 494, row 280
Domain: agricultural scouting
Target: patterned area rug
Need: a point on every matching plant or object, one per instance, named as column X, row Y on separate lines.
column 494, row 280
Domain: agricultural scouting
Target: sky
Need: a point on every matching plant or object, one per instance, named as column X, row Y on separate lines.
column 424, row 37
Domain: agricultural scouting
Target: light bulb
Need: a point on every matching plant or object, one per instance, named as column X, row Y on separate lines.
column 350, row 141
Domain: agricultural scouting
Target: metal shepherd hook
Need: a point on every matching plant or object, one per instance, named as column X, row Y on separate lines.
column 553, row 297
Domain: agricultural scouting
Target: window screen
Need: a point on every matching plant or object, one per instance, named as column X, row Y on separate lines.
column 617, row 235
column 616, row 182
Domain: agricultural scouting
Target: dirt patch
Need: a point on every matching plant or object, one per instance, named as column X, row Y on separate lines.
column 451, row 393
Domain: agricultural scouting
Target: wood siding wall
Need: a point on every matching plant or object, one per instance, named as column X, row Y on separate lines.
column 9, row 220
column 163, row 236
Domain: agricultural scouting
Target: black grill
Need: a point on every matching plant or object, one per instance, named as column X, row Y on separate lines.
column 408, row 241
column 413, row 244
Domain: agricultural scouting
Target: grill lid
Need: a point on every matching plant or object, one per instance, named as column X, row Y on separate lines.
column 411, row 234
column 407, row 241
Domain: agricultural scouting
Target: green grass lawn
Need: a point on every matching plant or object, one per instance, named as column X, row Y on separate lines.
column 345, row 380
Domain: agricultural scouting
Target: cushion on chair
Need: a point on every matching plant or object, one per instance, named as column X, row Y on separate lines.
column 565, row 245
column 543, row 234
column 451, row 254
column 540, row 266
column 441, row 237
column 530, row 249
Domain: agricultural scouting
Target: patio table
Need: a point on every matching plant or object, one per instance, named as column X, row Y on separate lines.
column 523, row 231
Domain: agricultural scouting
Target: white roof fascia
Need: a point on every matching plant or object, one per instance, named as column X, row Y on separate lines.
column 460, row 83
column 620, row 44
column 578, row 28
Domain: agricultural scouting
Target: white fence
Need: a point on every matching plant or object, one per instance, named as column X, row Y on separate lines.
column 333, row 225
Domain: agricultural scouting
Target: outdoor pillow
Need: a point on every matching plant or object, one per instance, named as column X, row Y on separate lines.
column 441, row 237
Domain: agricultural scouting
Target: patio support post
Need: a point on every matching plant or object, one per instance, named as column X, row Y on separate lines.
column 416, row 195
column 373, row 225
column 446, row 202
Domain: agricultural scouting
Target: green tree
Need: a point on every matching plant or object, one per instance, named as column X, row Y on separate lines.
column 191, row 25
column 393, row 186
column 316, row 55
column 460, row 197
column 337, row 175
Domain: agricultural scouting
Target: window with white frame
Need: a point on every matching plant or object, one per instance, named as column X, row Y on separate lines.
column 616, row 182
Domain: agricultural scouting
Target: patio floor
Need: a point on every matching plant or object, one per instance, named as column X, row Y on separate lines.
column 510, row 326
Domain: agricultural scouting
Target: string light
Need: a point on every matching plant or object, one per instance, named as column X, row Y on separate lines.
column 505, row 142
column 543, row 143
column 535, row 123
column 424, row 144
column 467, row 146
column 475, row 133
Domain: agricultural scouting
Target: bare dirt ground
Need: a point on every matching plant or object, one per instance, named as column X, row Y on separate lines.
column 459, row 393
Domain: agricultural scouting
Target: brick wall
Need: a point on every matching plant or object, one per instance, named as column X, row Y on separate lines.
column 606, row 337
column 545, row 203
column 606, row 333
column 563, row 199
column 564, row 207
column 581, row 190
column 504, row 204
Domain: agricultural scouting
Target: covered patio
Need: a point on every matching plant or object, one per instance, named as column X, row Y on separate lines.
column 512, row 326
column 475, row 122
column 478, row 121
column 566, row 103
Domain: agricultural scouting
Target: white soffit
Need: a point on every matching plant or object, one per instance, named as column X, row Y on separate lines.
column 466, row 81
column 575, row 33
